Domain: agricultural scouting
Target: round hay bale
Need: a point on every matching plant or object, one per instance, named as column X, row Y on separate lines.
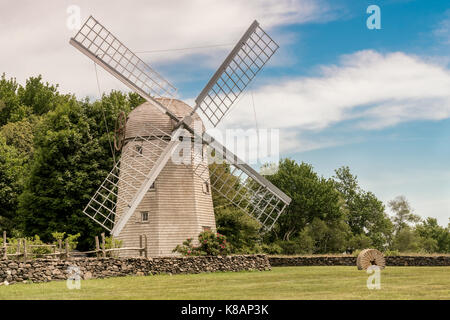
column 368, row 257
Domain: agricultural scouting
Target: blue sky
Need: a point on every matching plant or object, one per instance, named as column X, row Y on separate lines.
column 340, row 94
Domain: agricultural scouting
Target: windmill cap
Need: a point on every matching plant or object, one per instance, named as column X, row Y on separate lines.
column 146, row 119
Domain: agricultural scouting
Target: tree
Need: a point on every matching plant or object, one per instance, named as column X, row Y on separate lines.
column 9, row 100
column 403, row 213
column 366, row 215
column 72, row 156
column 241, row 230
column 40, row 97
column 11, row 172
column 406, row 240
column 312, row 197
column 434, row 238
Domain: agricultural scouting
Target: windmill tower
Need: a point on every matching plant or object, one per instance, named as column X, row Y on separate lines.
column 147, row 191
column 179, row 204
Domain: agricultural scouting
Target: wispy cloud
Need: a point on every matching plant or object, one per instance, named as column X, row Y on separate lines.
column 373, row 90
column 442, row 31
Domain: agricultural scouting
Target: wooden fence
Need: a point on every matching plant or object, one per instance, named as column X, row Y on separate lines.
column 63, row 252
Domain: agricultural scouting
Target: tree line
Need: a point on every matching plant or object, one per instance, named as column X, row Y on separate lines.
column 55, row 150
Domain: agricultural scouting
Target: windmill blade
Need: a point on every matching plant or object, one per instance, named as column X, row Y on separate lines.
column 249, row 55
column 130, row 178
column 100, row 45
column 241, row 185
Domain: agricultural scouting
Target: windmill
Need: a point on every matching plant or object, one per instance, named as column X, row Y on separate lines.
column 167, row 121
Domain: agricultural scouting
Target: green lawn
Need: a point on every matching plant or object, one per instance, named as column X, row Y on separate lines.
column 280, row 283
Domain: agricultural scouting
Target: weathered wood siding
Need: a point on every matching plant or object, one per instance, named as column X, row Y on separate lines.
column 178, row 207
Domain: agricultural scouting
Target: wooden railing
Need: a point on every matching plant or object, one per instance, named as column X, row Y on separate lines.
column 22, row 249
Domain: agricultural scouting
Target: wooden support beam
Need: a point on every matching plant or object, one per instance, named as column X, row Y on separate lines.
column 140, row 245
column 25, row 253
column 67, row 249
column 103, row 245
column 97, row 247
column 5, row 248
column 145, row 247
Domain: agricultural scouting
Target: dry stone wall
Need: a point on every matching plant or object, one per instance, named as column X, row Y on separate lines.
column 351, row 261
column 43, row 270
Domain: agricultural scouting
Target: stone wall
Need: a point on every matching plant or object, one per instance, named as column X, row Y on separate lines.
column 351, row 261
column 43, row 270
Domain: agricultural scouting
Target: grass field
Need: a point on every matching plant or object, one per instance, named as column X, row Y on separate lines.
column 280, row 283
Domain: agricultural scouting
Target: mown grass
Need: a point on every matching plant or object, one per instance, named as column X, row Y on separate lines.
column 280, row 283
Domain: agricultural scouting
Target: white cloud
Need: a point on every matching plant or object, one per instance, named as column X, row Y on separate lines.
column 35, row 38
column 375, row 90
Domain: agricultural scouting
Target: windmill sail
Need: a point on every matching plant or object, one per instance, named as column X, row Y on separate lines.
column 100, row 45
column 124, row 184
column 237, row 182
column 247, row 58
column 241, row 185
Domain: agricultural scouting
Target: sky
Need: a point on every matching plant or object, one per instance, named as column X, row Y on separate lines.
column 376, row 100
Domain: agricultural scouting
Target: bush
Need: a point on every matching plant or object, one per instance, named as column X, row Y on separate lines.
column 71, row 238
column 391, row 253
column 271, row 248
column 210, row 244
column 110, row 243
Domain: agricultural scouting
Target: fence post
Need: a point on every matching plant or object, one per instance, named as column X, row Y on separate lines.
column 67, row 249
column 103, row 245
column 97, row 247
column 5, row 248
column 140, row 245
column 25, row 254
column 60, row 248
column 145, row 247
column 19, row 242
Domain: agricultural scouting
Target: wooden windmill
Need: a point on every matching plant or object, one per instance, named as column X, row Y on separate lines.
column 146, row 191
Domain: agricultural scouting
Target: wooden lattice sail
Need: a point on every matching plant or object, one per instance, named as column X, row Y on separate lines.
column 147, row 151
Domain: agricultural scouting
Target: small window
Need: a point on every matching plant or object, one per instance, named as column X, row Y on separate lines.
column 205, row 228
column 138, row 149
column 206, row 187
column 144, row 216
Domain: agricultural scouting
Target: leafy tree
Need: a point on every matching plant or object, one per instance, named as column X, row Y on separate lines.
column 404, row 215
column 406, row 240
column 11, row 173
column 240, row 229
column 365, row 214
column 9, row 100
column 312, row 197
column 434, row 238
column 40, row 97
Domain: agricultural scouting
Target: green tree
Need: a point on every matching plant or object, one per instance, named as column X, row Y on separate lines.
column 406, row 240
column 365, row 214
column 312, row 197
column 72, row 156
column 9, row 100
column 11, row 173
column 241, row 230
column 40, row 97
column 434, row 238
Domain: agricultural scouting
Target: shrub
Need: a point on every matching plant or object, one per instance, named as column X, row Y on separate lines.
column 111, row 242
column 71, row 238
column 209, row 244
column 271, row 248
